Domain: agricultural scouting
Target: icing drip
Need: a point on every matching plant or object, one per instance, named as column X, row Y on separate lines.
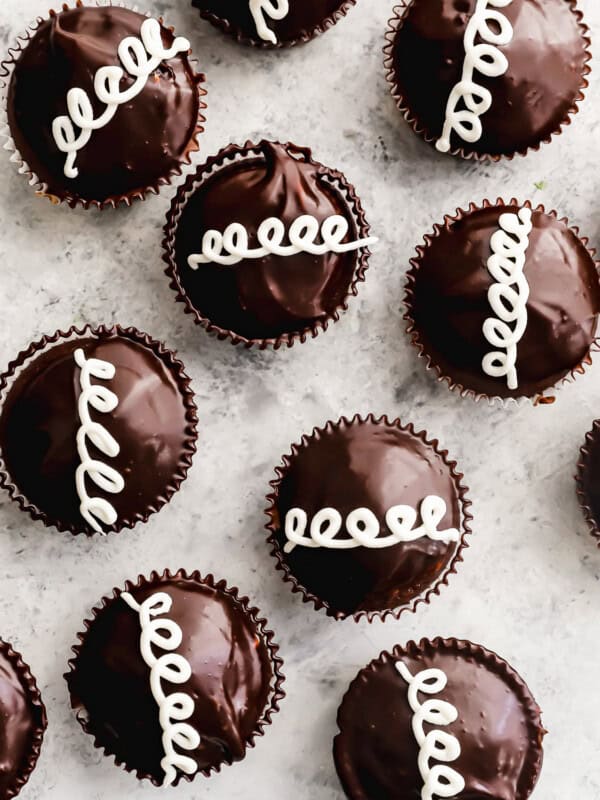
column 440, row 779
column 508, row 296
column 276, row 9
column 363, row 527
column 486, row 58
column 139, row 57
column 173, row 709
column 231, row 247
column 96, row 509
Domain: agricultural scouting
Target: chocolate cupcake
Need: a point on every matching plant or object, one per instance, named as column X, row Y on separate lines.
column 22, row 722
column 588, row 479
column 485, row 79
column 175, row 675
column 264, row 245
column 103, row 105
column 273, row 23
column 367, row 518
column 503, row 301
column 442, row 718
column 97, row 428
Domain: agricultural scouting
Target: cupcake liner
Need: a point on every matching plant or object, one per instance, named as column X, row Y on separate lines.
column 29, row 683
column 538, row 399
column 235, row 154
column 273, row 526
column 494, row 663
column 305, row 36
column 395, row 24
column 73, row 201
column 276, row 692
column 172, row 363
column 589, row 450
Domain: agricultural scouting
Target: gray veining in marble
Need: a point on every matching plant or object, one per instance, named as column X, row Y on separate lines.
column 529, row 587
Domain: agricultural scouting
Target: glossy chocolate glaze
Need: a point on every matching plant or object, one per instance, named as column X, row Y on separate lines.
column 146, row 139
column 39, row 421
column 274, row 295
column 303, row 17
column 498, row 727
column 373, row 465
column 21, row 719
column 547, row 58
column 449, row 302
column 230, row 683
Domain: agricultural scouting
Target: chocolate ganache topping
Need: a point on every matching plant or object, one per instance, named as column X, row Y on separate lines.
column 551, row 299
column 48, row 448
column 380, row 478
column 22, row 722
column 145, row 137
column 265, row 294
column 520, row 93
column 228, row 680
column 490, row 734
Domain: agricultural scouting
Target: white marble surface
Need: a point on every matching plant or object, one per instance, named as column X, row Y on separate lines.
column 529, row 587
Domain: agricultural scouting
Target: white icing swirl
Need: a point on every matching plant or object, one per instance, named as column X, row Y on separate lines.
column 363, row 527
column 276, row 9
column 173, row 709
column 440, row 779
column 139, row 57
column 100, row 398
column 231, row 247
column 508, row 296
column 469, row 100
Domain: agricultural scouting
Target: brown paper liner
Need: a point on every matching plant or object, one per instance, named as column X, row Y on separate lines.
column 492, row 662
column 35, row 699
column 41, row 187
column 235, row 153
column 273, row 526
column 303, row 37
column 183, row 382
column 539, row 398
column 397, row 21
column 588, row 462
column 271, row 707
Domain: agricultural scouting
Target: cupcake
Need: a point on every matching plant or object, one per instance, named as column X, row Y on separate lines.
column 97, row 428
column 588, row 479
column 484, row 79
column 174, row 676
column 22, row 722
column 367, row 518
column 264, row 245
column 503, row 301
column 442, row 718
column 273, row 23
column 103, row 105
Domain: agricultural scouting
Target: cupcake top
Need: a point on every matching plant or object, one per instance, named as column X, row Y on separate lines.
column 22, row 722
column 273, row 22
column 97, row 430
column 503, row 300
column 367, row 517
column 484, row 78
column 103, row 103
column 174, row 676
column 442, row 718
column 265, row 245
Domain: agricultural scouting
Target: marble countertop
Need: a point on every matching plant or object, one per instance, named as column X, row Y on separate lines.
column 529, row 586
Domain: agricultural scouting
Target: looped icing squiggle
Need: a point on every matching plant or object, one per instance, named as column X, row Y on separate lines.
column 276, row 9
column 485, row 57
column 139, row 57
column 231, row 247
column 173, row 709
column 440, row 779
column 508, row 296
column 96, row 509
column 363, row 527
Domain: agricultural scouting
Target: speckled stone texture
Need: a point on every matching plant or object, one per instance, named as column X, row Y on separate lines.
column 529, row 587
